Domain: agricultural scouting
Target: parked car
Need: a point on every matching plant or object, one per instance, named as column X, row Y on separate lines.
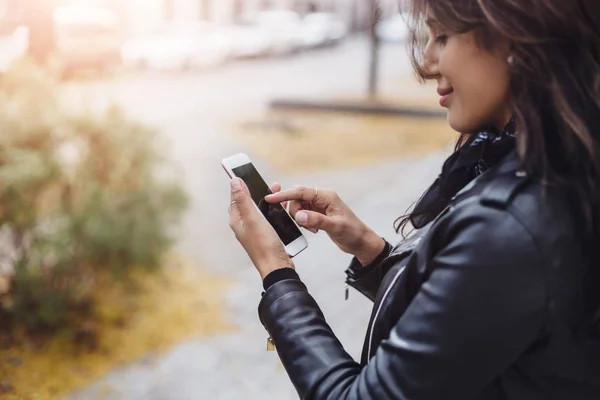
column 283, row 27
column 247, row 41
column 13, row 45
column 178, row 46
column 86, row 37
column 322, row 29
column 393, row 29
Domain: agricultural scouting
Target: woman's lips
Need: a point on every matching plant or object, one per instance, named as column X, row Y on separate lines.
column 445, row 95
column 444, row 100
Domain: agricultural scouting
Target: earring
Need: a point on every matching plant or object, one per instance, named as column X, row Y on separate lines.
column 511, row 60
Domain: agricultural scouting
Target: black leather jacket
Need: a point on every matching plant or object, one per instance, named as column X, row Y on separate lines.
column 484, row 303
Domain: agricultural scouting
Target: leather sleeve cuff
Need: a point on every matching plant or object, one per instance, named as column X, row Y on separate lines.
column 356, row 270
column 279, row 275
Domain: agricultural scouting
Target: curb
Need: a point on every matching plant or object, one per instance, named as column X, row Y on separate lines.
column 360, row 108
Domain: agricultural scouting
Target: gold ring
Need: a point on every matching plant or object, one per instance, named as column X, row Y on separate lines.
column 232, row 203
column 316, row 195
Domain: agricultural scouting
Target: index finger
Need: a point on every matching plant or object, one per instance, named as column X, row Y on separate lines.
column 300, row 193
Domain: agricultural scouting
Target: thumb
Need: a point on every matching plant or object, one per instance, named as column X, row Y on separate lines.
column 240, row 196
column 314, row 220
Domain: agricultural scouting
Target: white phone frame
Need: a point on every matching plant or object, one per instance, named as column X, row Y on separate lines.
column 237, row 160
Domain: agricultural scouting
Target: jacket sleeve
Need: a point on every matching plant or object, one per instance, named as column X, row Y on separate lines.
column 367, row 279
column 481, row 307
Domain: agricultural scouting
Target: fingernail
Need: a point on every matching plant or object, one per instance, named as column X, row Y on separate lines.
column 314, row 230
column 301, row 217
column 236, row 184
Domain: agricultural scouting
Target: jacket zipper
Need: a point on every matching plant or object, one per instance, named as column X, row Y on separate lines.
column 389, row 288
column 387, row 291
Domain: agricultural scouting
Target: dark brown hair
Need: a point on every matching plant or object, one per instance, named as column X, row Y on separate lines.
column 554, row 84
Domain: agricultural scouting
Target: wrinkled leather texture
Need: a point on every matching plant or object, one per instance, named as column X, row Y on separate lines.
column 487, row 304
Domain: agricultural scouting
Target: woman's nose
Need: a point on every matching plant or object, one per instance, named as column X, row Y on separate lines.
column 429, row 64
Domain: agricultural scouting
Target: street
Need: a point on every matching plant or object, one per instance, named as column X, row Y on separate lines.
column 196, row 114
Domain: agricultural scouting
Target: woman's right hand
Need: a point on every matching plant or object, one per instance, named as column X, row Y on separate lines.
column 323, row 209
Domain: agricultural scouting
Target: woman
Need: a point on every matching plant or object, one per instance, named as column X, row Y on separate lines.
column 496, row 295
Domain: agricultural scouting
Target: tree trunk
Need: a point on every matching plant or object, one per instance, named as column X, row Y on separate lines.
column 375, row 13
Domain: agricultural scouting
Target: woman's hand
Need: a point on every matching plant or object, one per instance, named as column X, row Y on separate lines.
column 255, row 234
column 323, row 209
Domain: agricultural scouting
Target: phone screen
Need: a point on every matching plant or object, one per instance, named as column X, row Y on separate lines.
column 274, row 213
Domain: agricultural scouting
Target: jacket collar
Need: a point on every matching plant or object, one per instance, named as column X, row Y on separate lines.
column 510, row 163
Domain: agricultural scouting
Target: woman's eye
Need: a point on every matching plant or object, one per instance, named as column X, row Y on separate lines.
column 441, row 39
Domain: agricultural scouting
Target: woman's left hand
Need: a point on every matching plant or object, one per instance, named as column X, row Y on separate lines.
column 255, row 234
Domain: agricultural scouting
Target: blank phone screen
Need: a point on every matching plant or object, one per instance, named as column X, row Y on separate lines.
column 274, row 213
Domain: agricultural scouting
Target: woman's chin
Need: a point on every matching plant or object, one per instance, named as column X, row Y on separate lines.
column 455, row 123
column 460, row 124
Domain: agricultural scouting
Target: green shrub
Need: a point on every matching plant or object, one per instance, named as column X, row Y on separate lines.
column 80, row 195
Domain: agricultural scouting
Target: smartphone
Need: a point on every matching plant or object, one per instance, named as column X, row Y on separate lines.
column 240, row 166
